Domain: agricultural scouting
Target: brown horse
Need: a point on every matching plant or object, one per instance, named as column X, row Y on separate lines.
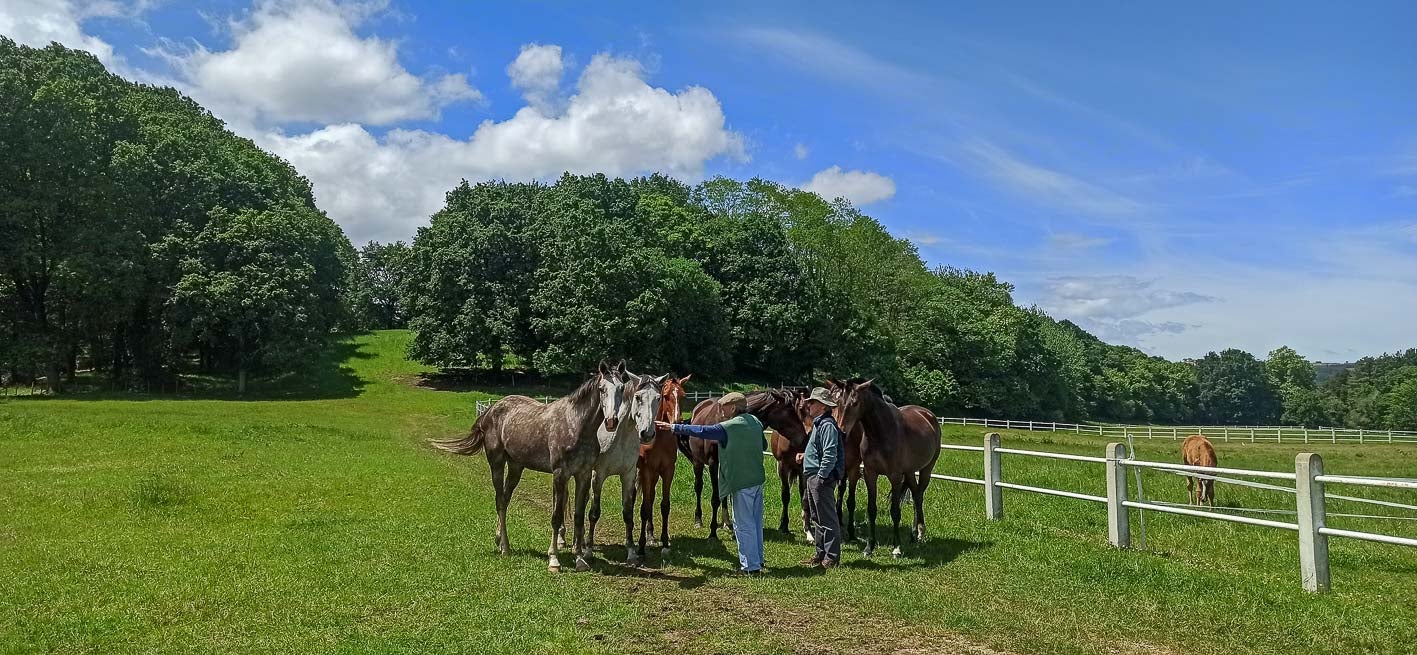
column 559, row 438
column 780, row 410
column 657, row 463
column 851, row 457
column 901, row 443
column 1196, row 450
column 777, row 410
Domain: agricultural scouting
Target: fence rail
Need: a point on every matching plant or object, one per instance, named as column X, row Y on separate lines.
column 1224, row 433
column 1309, row 512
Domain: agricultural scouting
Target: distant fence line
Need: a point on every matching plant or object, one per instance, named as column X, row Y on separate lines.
column 1225, row 433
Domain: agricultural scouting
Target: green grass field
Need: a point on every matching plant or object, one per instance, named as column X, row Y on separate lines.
column 317, row 520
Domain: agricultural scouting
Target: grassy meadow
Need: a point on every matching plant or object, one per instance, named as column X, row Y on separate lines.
column 315, row 519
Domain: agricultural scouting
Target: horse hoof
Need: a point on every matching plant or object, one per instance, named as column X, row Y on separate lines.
column 895, row 554
column 581, row 565
column 652, row 543
column 664, row 553
column 867, row 551
column 698, row 524
column 554, row 566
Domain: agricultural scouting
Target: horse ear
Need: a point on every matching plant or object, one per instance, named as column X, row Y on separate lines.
column 868, row 382
column 603, row 369
column 621, row 367
column 660, row 380
column 685, row 378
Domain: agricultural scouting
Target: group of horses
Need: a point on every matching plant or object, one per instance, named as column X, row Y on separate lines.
column 606, row 428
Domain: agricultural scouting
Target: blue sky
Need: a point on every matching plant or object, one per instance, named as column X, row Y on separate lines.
column 1182, row 178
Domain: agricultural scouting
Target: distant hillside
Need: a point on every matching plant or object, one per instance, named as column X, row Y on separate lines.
column 1325, row 370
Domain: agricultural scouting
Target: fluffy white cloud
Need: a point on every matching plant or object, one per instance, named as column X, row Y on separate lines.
column 800, row 151
column 614, row 123
column 1112, row 297
column 36, row 23
column 303, row 62
column 860, row 187
column 537, row 72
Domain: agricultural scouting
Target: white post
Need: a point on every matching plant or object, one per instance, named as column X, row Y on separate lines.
column 993, row 494
column 1119, row 531
column 1252, row 435
column 1313, row 546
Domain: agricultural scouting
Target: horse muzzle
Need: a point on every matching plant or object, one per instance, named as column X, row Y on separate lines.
column 647, row 438
column 612, row 423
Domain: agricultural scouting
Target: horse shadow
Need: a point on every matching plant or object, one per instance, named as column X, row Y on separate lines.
column 933, row 552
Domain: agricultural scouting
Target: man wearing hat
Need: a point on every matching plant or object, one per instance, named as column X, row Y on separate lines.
column 824, row 466
column 740, row 473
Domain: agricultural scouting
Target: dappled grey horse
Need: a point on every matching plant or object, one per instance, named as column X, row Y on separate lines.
column 559, row 438
column 620, row 453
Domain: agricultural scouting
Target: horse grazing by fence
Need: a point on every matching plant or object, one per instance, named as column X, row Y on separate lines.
column 776, row 409
column 1197, row 450
column 559, row 438
column 657, row 464
column 901, row 443
column 619, row 454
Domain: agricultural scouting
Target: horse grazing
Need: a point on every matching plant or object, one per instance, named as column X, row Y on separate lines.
column 657, row 463
column 1196, row 450
column 619, row 454
column 559, row 438
column 901, row 443
column 777, row 410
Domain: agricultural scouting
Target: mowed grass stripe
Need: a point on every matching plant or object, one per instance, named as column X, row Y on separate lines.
column 326, row 524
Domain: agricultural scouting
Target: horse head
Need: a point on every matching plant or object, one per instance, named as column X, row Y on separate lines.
column 853, row 399
column 643, row 396
column 611, row 382
column 780, row 410
column 671, row 394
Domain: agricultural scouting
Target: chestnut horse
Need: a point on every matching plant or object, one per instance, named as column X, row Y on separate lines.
column 777, row 410
column 901, row 443
column 657, row 463
column 1196, row 450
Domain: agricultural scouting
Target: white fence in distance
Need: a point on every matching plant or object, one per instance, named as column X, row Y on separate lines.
column 1223, row 433
column 1308, row 476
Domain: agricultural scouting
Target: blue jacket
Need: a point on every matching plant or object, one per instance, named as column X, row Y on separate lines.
column 824, row 456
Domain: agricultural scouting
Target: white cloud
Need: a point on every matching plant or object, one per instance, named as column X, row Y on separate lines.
column 1112, row 297
column 1074, row 241
column 303, row 62
column 1048, row 186
column 860, row 187
column 537, row 72
column 924, row 238
column 800, row 151
column 37, row 23
column 615, row 123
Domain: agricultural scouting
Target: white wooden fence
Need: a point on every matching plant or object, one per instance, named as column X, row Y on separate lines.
column 1308, row 476
column 1224, row 433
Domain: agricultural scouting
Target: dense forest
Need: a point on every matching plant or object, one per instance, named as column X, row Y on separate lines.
column 140, row 240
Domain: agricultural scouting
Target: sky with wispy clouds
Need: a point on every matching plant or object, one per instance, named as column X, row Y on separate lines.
column 1180, row 177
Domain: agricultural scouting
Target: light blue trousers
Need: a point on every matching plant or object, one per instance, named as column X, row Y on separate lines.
column 748, row 527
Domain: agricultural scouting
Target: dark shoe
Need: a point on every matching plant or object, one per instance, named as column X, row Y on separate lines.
column 811, row 561
column 828, row 564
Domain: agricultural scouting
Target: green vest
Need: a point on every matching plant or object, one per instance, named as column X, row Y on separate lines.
column 740, row 459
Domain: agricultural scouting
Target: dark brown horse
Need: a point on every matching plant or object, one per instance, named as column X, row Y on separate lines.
column 851, row 457
column 777, row 410
column 657, row 463
column 901, row 443
column 559, row 438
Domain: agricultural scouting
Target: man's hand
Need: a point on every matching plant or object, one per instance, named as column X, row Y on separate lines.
column 799, row 457
column 661, row 425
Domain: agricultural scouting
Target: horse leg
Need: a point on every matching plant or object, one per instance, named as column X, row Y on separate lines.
column 666, row 480
column 870, row 514
column 633, row 555
column 698, row 495
column 597, row 482
column 713, row 500
column 558, row 521
column 582, row 548
column 898, row 489
column 851, row 506
column 514, row 475
column 1191, row 490
column 646, row 508
column 784, row 474
column 498, row 489
column 922, row 481
column 807, row 510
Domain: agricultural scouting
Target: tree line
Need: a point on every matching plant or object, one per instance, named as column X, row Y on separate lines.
column 140, row 239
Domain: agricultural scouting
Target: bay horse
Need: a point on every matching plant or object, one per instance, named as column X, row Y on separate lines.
column 777, row 410
column 657, row 463
column 560, row 438
column 619, row 454
column 780, row 410
column 1197, row 450
column 851, row 457
column 901, row 443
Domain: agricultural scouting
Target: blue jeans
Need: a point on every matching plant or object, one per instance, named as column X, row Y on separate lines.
column 748, row 527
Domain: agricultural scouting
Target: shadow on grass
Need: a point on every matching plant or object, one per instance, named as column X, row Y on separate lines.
column 935, row 551
column 328, row 377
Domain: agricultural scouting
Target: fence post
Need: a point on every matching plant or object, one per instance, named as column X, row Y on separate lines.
column 993, row 493
column 1119, row 531
column 1252, row 435
column 1313, row 545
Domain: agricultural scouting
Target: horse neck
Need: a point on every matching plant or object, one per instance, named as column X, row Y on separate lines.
column 881, row 420
column 584, row 403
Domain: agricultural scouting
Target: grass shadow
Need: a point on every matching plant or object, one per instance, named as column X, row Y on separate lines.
column 932, row 553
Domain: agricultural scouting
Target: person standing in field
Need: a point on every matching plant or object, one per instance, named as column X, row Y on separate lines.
column 824, row 466
column 741, row 443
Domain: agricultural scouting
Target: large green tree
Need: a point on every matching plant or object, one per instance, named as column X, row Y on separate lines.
column 1234, row 388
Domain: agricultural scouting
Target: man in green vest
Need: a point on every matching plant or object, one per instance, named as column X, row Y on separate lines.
column 740, row 473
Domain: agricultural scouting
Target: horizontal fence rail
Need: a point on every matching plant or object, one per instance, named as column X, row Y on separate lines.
column 1223, row 433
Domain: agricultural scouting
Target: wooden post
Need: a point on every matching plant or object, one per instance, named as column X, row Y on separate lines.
column 993, row 493
column 1119, row 531
column 1313, row 545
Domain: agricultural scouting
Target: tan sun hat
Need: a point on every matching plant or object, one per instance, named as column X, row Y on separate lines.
column 821, row 395
column 733, row 398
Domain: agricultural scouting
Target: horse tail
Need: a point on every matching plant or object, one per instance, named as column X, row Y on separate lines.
column 683, row 441
column 469, row 445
